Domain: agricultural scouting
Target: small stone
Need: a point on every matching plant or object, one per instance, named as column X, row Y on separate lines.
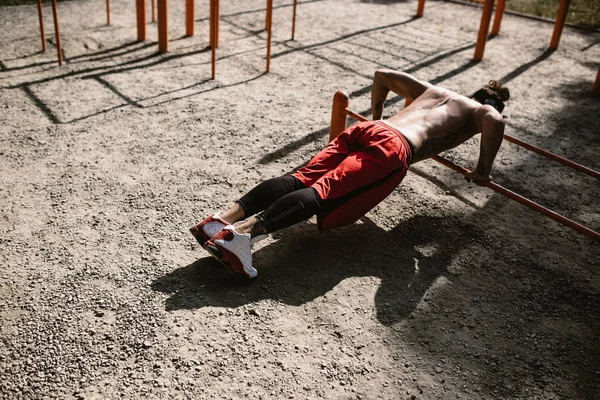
column 147, row 344
column 439, row 369
column 99, row 313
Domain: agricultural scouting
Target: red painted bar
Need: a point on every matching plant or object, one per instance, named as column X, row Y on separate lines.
column 57, row 32
column 500, row 189
column 140, row 11
column 560, row 23
column 41, row 17
column 553, row 156
column 484, row 27
column 163, row 26
column 212, row 38
column 420, row 8
column 294, row 19
column 339, row 114
column 107, row 12
column 269, row 31
column 189, row 17
column 596, row 88
column 498, row 17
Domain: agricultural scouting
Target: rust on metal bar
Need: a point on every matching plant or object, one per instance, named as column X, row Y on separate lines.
column 107, row 12
column 495, row 187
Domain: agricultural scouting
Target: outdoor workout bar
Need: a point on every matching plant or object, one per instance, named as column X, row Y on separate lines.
column 339, row 118
column 41, row 17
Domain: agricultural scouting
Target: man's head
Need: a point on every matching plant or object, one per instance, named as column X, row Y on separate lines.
column 493, row 94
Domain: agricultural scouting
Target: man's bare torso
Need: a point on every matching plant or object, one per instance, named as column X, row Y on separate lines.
column 437, row 120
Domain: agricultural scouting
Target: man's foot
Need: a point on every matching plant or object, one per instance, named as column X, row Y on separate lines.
column 233, row 250
column 208, row 228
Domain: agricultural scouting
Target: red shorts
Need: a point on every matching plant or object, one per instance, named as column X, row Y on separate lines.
column 361, row 167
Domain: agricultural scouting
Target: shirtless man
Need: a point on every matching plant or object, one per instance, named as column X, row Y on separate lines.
column 360, row 167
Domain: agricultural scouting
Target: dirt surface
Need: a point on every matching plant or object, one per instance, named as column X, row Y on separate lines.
column 446, row 290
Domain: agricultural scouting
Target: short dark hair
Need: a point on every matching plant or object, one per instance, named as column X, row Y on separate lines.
column 493, row 94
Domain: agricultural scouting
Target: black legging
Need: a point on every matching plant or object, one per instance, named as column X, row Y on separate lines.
column 283, row 201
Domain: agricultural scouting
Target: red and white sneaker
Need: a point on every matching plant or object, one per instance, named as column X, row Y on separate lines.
column 234, row 250
column 208, row 228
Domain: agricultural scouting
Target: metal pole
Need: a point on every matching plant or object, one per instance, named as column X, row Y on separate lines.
column 525, row 201
column 140, row 11
column 596, row 88
column 498, row 16
column 153, row 13
column 213, row 47
column 420, row 8
column 107, row 12
column 339, row 114
column 553, row 156
column 41, row 25
column 484, row 27
column 502, row 190
column 269, row 31
column 163, row 26
column 189, row 17
column 561, row 17
column 57, row 31
column 294, row 19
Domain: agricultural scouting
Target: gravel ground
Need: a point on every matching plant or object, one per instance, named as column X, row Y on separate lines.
column 446, row 290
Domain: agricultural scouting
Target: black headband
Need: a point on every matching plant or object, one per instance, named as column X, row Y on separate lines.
column 485, row 97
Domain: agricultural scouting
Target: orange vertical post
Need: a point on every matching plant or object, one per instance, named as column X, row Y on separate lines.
column 420, row 8
column 498, row 17
column 163, row 26
column 213, row 47
column 596, row 88
column 560, row 23
column 153, row 13
column 339, row 116
column 294, row 19
column 107, row 12
column 189, row 17
column 484, row 27
column 57, row 31
column 42, row 25
column 140, row 10
column 217, row 21
column 269, row 32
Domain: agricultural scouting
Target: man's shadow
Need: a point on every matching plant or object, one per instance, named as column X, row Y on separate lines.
column 304, row 265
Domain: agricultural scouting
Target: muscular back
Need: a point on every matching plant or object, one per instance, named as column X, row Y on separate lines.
column 437, row 120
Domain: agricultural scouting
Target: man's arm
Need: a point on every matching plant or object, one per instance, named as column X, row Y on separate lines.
column 491, row 125
column 398, row 82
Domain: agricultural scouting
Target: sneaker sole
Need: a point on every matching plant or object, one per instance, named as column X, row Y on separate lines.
column 223, row 258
